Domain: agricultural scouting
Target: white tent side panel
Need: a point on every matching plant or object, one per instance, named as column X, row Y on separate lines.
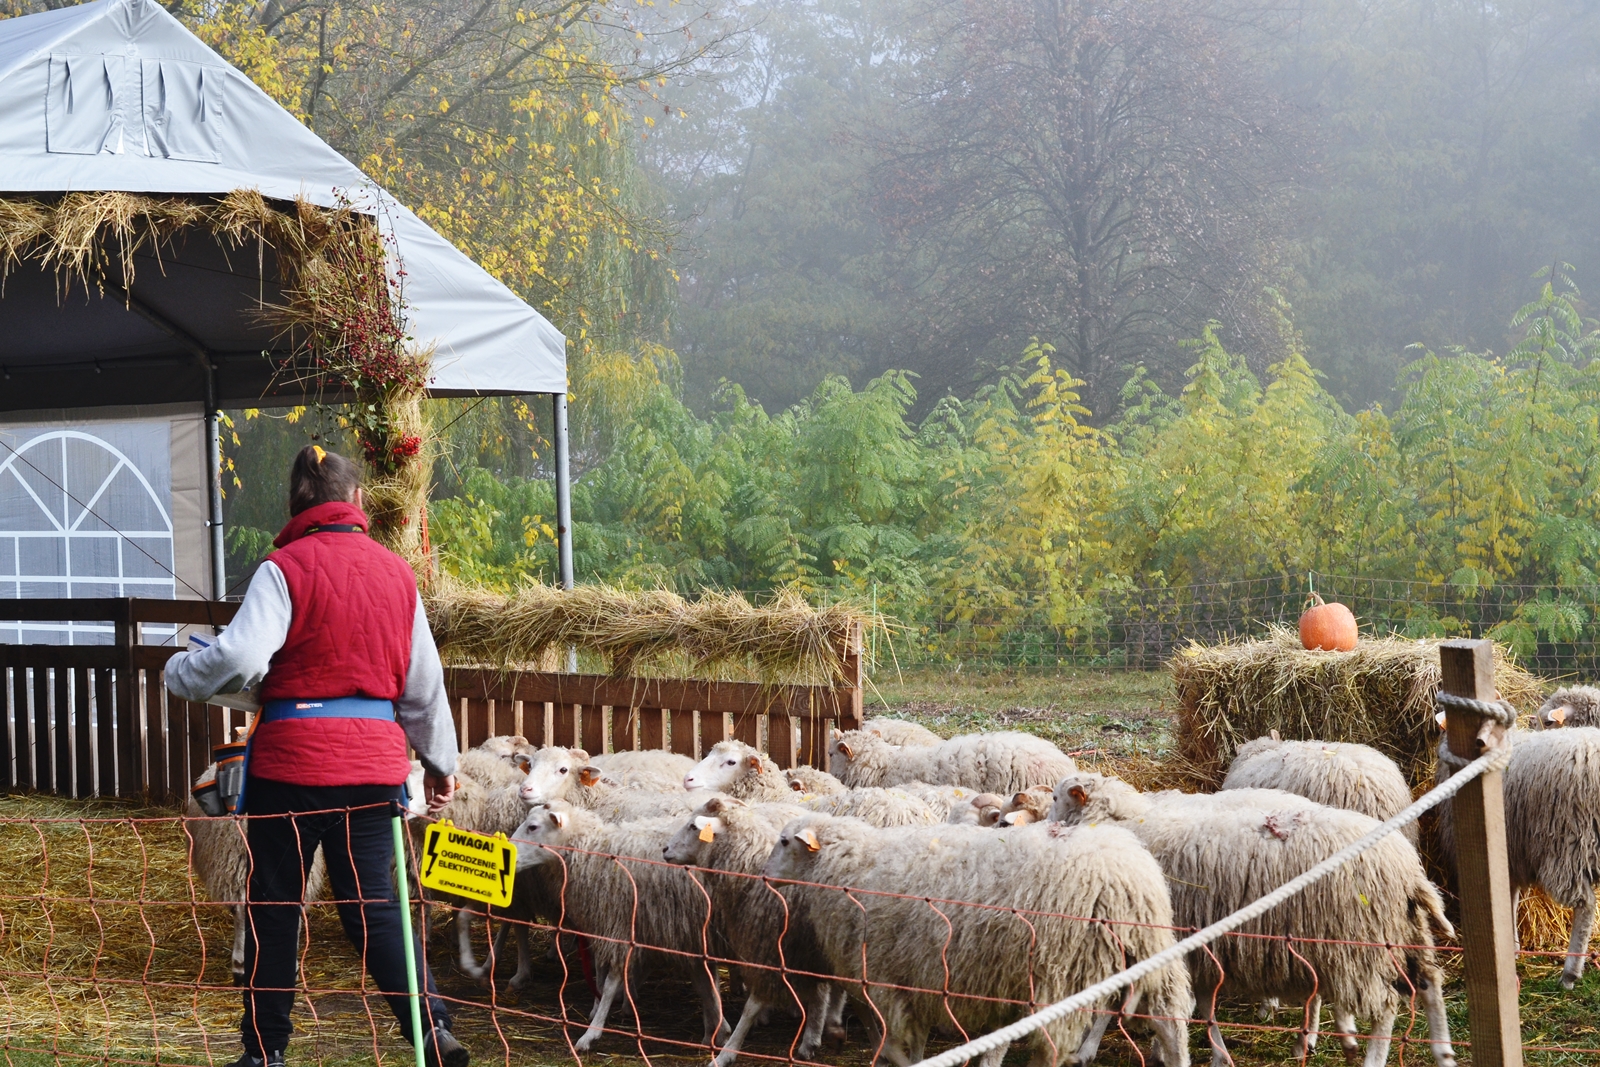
column 117, row 95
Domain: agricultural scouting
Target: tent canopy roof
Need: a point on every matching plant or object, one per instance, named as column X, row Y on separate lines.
column 117, row 95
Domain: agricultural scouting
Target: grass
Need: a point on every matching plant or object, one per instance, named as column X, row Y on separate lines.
column 1126, row 713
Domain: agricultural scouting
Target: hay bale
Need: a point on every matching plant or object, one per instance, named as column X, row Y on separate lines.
column 719, row 635
column 1381, row 695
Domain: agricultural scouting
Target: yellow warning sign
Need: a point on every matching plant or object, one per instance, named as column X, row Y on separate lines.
column 468, row 864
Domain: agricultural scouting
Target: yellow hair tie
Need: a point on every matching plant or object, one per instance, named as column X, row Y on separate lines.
column 321, row 455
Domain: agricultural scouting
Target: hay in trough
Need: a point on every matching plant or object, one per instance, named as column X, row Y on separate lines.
column 720, row 635
column 1381, row 695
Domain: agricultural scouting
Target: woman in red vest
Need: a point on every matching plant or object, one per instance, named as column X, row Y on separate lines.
column 333, row 637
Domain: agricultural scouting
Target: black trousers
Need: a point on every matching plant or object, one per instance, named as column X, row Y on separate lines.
column 359, row 849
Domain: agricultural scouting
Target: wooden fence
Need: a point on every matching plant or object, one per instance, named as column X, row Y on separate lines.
column 96, row 720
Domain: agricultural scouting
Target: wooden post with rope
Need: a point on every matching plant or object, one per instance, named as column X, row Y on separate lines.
column 1488, row 920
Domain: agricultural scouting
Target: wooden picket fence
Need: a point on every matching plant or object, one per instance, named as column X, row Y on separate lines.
column 96, row 719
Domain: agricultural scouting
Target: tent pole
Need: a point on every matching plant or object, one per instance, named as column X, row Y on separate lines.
column 219, row 572
column 558, row 405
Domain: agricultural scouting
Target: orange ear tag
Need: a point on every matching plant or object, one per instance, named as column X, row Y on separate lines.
column 707, row 834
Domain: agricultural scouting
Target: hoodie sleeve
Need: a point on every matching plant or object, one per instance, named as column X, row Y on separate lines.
column 424, row 708
column 242, row 652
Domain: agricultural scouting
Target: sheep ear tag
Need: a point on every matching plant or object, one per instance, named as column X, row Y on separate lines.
column 753, row 762
column 589, row 775
column 844, row 750
column 1559, row 715
column 475, row 866
column 708, row 826
column 1079, row 796
column 809, row 836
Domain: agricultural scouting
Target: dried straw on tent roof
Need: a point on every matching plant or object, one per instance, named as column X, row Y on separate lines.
column 1381, row 695
column 720, row 634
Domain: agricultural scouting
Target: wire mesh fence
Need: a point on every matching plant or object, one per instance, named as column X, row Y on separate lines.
column 113, row 951
column 1553, row 630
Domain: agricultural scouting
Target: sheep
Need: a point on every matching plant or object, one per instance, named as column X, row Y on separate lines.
column 729, row 841
column 1224, row 851
column 220, row 856
column 898, row 924
column 1338, row 774
column 734, row 768
column 1029, row 806
column 994, row 763
column 494, row 761
column 980, row 809
column 551, row 773
column 903, row 733
column 879, row 807
column 809, row 780
column 620, row 905
column 945, row 800
column 615, row 802
column 1573, row 705
column 1552, row 802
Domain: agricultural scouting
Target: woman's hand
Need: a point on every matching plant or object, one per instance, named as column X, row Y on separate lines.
column 438, row 790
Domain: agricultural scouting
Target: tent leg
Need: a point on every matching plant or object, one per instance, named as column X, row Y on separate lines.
column 558, row 404
column 219, row 563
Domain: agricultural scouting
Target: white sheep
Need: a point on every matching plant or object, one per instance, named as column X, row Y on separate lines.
column 993, row 763
column 729, row 842
column 1335, row 773
column 979, row 809
column 803, row 779
column 945, row 800
column 982, row 962
column 879, row 807
column 1573, row 705
column 1552, row 804
column 220, row 855
column 615, row 802
column 495, row 761
column 613, row 888
column 902, row 732
column 1028, row 806
column 551, row 773
column 1222, row 852
column 734, row 768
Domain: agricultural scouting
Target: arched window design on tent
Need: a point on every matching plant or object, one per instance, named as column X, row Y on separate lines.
column 84, row 512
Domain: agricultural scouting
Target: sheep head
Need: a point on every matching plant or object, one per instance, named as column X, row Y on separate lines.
column 725, row 764
column 1091, row 798
column 551, row 773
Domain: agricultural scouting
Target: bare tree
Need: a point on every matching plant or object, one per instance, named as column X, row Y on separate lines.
column 1099, row 173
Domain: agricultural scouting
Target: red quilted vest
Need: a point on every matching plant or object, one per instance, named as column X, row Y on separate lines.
column 353, row 605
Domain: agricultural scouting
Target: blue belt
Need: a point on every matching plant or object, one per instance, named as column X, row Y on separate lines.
column 335, row 708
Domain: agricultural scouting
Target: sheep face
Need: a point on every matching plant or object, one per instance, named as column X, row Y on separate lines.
column 691, row 846
column 725, row 764
column 1572, row 705
column 545, row 825
column 551, row 772
column 1075, row 798
column 791, row 856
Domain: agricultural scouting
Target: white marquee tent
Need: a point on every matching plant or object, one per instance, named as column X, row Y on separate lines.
column 116, row 95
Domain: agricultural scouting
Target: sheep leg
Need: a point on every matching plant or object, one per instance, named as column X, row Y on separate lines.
column 1578, row 947
column 602, row 1008
column 469, row 962
column 524, row 959
column 1344, row 1021
column 1438, row 1021
column 838, row 1001
column 1219, row 1047
column 1171, row 1041
column 705, row 985
column 816, row 1008
column 1090, row 1045
column 753, row 1006
column 1378, row 1040
column 238, row 944
column 994, row 1056
column 1309, row 1028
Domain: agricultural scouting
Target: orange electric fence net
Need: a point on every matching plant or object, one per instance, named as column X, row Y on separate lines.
column 111, row 951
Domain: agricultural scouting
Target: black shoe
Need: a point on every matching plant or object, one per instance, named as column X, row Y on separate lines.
column 271, row 1059
column 441, row 1049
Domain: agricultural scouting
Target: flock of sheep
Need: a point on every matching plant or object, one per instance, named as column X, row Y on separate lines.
column 953, row 885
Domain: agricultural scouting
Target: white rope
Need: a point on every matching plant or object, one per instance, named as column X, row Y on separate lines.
column 1088, row 998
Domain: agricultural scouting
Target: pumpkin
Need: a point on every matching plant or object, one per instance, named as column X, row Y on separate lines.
column 1329, row 627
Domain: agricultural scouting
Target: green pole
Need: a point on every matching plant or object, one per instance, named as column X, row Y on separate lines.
column 405, row 929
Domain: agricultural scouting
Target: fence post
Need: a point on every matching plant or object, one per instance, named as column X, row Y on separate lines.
column 1488, row 922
